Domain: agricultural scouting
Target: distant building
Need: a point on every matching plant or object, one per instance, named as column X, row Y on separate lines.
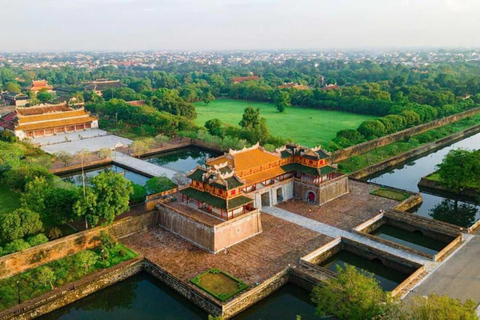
column 49, row 119
column 100, row 85
column 41, row 85
column 15, row 99
column 329, row 87
column 293, row 86
column 137, row 103
column 243, row 79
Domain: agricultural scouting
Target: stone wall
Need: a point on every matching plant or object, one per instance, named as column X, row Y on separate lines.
column 72, row 292
column 198, row 298
column 417, row 152
column 198, row 233
column 256, row 294
column 436, row 229
column 20, row 261
column 346, row 153
column 333, row 189
column 210, row 238
column 236, row 230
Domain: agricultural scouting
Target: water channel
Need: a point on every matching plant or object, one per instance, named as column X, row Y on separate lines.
column 144, row 297
column 408, row 175
column 76, row 177
column 182, row 160
column 413, row 240
column 388, row 278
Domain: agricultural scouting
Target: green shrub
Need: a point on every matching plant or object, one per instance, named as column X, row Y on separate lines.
column 16, row 245
column 159, row 184
column 54, row 233
column 37, row 239
column 139, row 194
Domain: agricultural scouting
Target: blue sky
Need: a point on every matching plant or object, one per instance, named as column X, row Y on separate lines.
column 68, row 25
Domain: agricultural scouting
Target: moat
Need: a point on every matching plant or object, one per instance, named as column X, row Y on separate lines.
column 408, row 175
column 182, row 160
column 144, row 297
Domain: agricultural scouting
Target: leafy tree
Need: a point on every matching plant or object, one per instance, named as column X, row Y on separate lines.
column 37, row 239
column 19, row 223
column 86, row 259
column 35, row 194
column 442, row 308
column 44, row 96
column 107, row 198
column 282, row 100
column 45, row 276
column 460, row 169
column 139, row 194
column 12, row 87
column 250, row 118
column 371, row 129
column 59, row 204
column 18, row 177
column 214, row 127
column 353, row 295
column 15, row 246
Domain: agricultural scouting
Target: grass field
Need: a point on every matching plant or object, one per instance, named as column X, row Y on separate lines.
column 9, row 200
column 306, row 126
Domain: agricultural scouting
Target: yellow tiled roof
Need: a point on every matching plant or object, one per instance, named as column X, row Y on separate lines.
column 264, row 175
column 55, row 123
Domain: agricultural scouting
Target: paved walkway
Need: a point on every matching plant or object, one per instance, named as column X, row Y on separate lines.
column 458, row 277
column 335, row 232
column 142, row 166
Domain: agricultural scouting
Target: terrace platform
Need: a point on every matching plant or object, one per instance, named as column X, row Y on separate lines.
column 252, row 261
column 345, row 212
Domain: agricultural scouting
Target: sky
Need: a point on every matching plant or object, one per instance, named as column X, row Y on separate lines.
column 133, row 25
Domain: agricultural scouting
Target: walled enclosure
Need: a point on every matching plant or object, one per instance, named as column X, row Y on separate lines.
column 212, row 238
column 20, row 261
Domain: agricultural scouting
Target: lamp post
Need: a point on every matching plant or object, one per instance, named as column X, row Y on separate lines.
column 18, row 292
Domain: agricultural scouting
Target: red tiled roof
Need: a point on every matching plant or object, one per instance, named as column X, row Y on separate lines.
column 243, row 79
column 137, row 103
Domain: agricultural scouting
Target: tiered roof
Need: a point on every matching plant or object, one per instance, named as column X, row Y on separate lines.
column 46, row 116
column 39, row 85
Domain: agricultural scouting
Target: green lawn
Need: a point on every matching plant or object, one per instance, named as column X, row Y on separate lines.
column 9, row 200
column 305, row 126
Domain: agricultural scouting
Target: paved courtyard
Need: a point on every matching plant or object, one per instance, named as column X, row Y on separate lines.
column 345, row 212
column 91, row 144
column 253, row 260
column 73, row 136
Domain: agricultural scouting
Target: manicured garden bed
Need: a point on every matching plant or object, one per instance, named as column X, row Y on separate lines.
column 219, row 284
column 390, row 194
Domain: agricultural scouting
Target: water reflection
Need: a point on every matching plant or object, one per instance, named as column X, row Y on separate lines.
column 183, row 160
column 407, row 176
column 139, row 297
column 455, row 212
column 77, row 179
